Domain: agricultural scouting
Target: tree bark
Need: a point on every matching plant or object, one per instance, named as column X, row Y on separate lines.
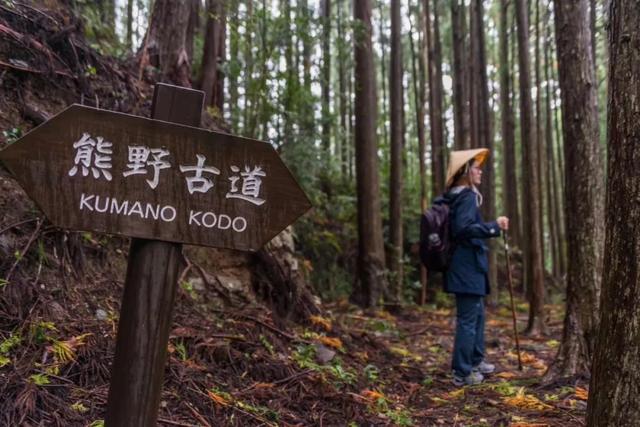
column 510, row 192
column 584, row 203
column 371, row 282
column 397, row 149
column 553, row 218
column 460, row 95
column 326, row 75
column 539, row 135
column 166, row 41
column 436, row 91
column 531, row 182
column 419, row 104
column 615, row 380
column 210, row 53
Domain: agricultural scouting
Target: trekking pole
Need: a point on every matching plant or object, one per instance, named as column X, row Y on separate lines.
column 513, row 307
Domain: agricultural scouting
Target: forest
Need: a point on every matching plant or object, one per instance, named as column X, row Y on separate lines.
column 310, row 303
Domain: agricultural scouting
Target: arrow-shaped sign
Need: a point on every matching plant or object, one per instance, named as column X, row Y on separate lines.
column 97, row 170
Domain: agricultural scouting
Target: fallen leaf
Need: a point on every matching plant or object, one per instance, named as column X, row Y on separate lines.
column 506, row 375
column 372, row 395
column 582, row 394
column 217, row 398
column 456, row 394
column 526, row 401
column 331, row 342
column 321, row 321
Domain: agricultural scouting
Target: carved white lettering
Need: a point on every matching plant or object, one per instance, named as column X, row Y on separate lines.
column 137, row 209
column 227, row 223
column 193, row 217
column 212, row 223
column 173, row 212
column 120, row 210
column 239, row 228
column 84, row 201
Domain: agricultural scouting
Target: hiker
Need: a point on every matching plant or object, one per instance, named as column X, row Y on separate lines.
column 467, row 274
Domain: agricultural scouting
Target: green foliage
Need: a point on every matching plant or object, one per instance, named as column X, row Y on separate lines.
column 9, row 343
column 39, row 331
column 3, row 283
column 97, row 423
column 267, row 344
column 372, row 373
column 181, row 350
column 39, row 379
column 11, row 135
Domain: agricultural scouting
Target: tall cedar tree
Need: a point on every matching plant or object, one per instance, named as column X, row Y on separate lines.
column 419, row 104
column 615, row 380
column 531, row 203
column 397, row 148
column 436, row 92
column 481, row 132
column 325, row 83
column 167, row 41
column 371, row 281
column 510, row 185
column 584, row 176
column 553, row 218
column 213, row 45
column 460, row 93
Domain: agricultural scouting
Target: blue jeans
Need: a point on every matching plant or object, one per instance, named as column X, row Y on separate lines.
column 468, row 347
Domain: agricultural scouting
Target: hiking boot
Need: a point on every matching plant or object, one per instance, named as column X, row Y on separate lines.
column 473, row 378
column 485, row 368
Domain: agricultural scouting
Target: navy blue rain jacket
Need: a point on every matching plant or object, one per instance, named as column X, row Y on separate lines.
column 469, row 266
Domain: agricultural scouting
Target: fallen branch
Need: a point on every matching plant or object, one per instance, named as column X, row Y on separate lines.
column 24, row 251
column 15, row 224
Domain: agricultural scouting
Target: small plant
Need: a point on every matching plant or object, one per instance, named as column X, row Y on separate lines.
column 9, row 343
column 39, row 379
column 79, row 407
column 372, row 373
column 97, row 423
column 3, row 283
column 11, row 135
column 181, row 350
column 265, row 342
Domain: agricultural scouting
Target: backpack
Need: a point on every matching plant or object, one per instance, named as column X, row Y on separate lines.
column 435, row 243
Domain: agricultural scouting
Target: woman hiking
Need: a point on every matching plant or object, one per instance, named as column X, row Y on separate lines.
column 467, row 275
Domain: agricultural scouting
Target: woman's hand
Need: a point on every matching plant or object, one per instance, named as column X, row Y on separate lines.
column 503, row 222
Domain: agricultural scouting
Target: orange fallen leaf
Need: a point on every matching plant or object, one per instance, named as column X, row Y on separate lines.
column 520, row 424
column 506, row 375
column 331, row 342
column 582, row 394
column 321, row 321
column 217, row 398
column 263, row 385
column 372, row 394
column 526, row 401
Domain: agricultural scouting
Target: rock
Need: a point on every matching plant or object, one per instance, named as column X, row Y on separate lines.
column 101, row 315
column 324, row 354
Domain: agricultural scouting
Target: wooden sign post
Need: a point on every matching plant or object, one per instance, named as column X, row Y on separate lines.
column 158, row 180
column 149, row 293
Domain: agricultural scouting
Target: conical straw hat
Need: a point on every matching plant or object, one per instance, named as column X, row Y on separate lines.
column 457, row 160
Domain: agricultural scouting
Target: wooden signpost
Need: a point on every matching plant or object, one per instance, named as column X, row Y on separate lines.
column 164, row 182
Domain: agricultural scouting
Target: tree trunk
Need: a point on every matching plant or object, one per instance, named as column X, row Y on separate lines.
column 531, row 182
column 234, row 67
column 212, row 43
column 166, row 41
column 248, row 72
column 129, row 36
column 510, row 185
column 218, row 94
column 397, row 148
column 326, row 75
column 584, row 202
column 383, row 72
column 539, row 135
column 615, row 380
column 553, row 218
column 419, row 101
column 342, row 85
column 371, row 282
column 436, row 90
column 460, row 95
